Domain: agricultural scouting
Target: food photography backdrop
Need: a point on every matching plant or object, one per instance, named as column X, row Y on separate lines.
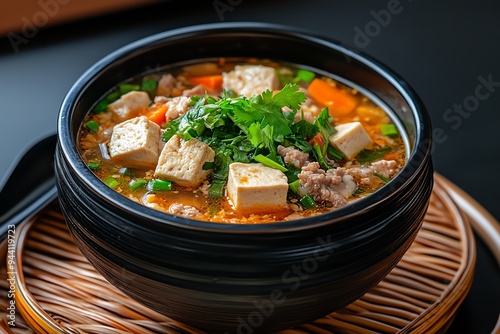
column 448, row 51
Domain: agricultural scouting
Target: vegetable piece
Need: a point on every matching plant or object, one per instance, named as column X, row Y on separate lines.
column 93, row 165
column 372, row 155
column 149, row 85
column 103, row 104
column 126, row 172
column 111, row 182
column 338, row 101
column 308, row 201
column 213, row 82
column 304, row 75
column 269, row 162
column 92, row 126
column 320, row 156
column 391, row 156
column 389, row 130
column 157, row 114
column 159, row 185
column 137, row 184
column 127, row 88
column 383, row 178
column 334, row 154
column 294, row 186
column 216, row 190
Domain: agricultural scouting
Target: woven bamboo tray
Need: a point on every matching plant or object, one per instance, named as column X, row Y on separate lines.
column 58, row 291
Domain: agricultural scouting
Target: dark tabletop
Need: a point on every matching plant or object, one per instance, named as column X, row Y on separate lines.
column 448, row 51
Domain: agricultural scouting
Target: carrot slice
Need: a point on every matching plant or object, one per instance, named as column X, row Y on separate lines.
column 338, row 101
column 391, row 156
column 318, row 138
column 157, row 114
column 208, row 81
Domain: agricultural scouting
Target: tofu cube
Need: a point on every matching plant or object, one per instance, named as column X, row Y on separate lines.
column 256, row 187
column 128, row 104
column 135, row 143
column 249, row 80
column 350, row 139
column 182, row 161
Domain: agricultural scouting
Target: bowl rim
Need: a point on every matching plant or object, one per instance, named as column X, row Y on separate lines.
column 420, row 154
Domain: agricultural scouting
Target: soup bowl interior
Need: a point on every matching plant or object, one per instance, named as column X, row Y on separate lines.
column 225, row 277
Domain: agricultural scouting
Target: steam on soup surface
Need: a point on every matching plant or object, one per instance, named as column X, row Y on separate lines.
column 240, row 142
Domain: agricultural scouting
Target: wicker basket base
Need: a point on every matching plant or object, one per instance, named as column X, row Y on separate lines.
column 58, row 291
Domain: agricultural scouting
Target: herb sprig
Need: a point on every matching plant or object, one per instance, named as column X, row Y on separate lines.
column 239, row 128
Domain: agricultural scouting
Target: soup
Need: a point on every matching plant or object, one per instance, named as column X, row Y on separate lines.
column 241, row 142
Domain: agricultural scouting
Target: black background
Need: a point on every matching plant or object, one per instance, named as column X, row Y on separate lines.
column 444, row 50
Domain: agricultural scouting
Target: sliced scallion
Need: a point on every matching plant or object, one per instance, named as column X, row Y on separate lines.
column 126, row 172
column 269, row 162
column 389, row 130
column 127, row 88
column 383, row 178
column 111, row 182
column 159, row 185
column 149, row 85
column 93, row 165
column 304, row 75
column 294, row 186
column 308, row 201
column 92, row 126
column 137, row 184
column 334, row 154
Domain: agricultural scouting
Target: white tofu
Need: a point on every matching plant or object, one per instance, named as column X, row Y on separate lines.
column 350, row 139
column 127, row 104
column 134, row 143
column 256, row 187
column 182, row 161
column 249, row 80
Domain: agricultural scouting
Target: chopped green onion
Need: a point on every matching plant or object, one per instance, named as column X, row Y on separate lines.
column 113, row 96
column 383, row 178
column 334, row 154
column 308, row 201
column 304, row 75
column 92, row 126
column 389, row 130
column 93, row 165
column 269, row 162
column 111, row 182
column 320, row 157
column 294, row 186
column 104, row 103
column 358, row 191
column 159, row 185
column 216, row 190
column 101, row 106
column 127, row 88
column 149, row 85
column 137, row 184
column 126, row 172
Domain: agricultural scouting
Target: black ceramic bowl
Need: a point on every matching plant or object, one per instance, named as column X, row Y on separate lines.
column 243, row 278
